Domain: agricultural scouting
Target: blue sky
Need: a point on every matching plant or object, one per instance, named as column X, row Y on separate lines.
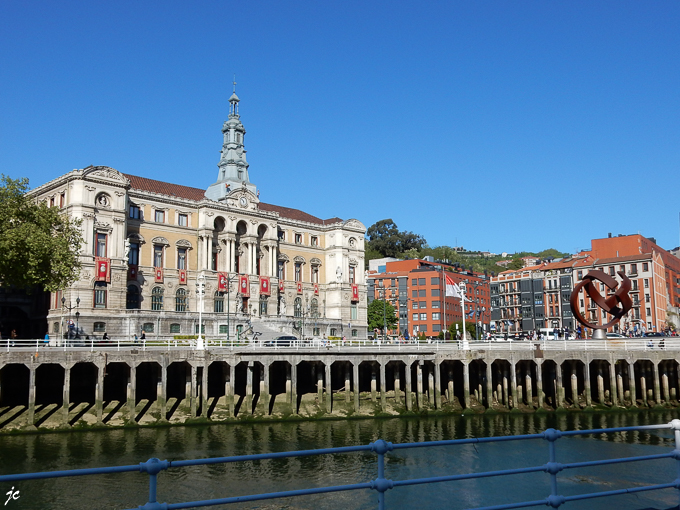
column 498, row 126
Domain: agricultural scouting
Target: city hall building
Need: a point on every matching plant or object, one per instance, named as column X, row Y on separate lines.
column 151, row 246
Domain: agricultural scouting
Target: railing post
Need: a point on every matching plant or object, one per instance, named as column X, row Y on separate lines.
column 553, row 467
column 381, row 484
column 675, row 425
column 153, row 467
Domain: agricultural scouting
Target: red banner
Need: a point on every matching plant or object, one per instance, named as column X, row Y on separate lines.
column 132, row 271
column 355, row 292
column 299, row 287
column 316, row 289
column 182, row 277
column 264, row 285
column 281, row 287
column 222, row 282
column 103, row 267
column 158, row 274
column 243, row 286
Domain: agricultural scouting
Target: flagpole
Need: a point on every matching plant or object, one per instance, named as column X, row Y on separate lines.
column 466, row 346
column 444, row 302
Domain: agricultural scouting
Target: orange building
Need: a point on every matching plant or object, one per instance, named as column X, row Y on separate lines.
column 417, row 289
column 635, row 244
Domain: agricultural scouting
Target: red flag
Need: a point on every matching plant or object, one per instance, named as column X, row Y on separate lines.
column 281, row 286
column 243, row 286
column 158, row 275
column 103, row 267
column 316, row 289
column 264, row 285
column 182, row 277
column 299, row 287
column 221, row 282
column 355, row 292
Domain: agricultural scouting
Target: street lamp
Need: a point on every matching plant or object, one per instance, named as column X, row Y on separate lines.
column 200, row 292
column 69, row 308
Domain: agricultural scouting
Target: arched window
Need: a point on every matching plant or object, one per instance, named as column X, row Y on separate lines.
column 314, row 308
column 181, row 300
column 157, row 298
column 263, row 306
column 297, row 307
column 219, row 302
column 132, row 301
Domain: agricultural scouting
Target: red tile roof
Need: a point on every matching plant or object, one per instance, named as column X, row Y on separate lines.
column 165, row 188
column 197, row 194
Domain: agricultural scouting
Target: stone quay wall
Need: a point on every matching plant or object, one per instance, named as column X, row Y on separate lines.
column 52, row 388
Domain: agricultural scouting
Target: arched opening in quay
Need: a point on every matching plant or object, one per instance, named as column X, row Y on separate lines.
column 573, row 381
column 452, row 388
column 395, row 380
column 550, row 389
column 668, row 373
column 279, row 384
column 14, row 381
column 526, row 383
column 600, row 381
column 500, row 377
column 478, row 382
column 644, row 382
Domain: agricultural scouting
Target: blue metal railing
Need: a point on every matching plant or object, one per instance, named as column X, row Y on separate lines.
column 381, row 484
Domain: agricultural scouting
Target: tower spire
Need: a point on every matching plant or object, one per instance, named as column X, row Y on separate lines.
column 233, row 167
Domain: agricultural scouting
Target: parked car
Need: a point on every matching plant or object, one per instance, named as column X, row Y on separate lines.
column 282, row 341
column 615, row 335
column 655, row 334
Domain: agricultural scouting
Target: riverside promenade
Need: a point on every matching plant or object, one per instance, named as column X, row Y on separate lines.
column 45, row 386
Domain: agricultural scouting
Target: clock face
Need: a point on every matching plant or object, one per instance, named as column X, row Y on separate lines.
column 243, row 201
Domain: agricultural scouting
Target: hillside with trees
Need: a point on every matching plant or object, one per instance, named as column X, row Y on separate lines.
column 384, row 239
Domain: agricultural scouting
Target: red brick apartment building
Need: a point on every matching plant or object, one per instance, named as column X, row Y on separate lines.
column 538, row 297
column 636, row 244
column 416, row 288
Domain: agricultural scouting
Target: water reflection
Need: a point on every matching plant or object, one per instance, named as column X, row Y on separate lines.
column 130, row 446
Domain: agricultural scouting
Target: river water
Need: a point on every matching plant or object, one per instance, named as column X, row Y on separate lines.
column 79, row 449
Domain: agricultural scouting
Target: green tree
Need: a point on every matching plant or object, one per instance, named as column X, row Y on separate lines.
column 39, row 245
column 516, row 264
column 379, row 309
column 385, row 238
column 457, row 327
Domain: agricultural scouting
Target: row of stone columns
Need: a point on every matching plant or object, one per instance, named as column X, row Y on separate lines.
column 515, row 384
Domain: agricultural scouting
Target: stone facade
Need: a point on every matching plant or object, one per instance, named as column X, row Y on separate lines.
column 147, row 242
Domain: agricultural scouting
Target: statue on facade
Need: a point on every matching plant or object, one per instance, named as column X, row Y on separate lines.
column 127, row 249
column 282, row 306
column 338, row 274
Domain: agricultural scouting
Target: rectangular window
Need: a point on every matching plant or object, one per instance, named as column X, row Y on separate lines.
column 646, row 283
column 334, row 332
column 298, row 271
column 298, row 238
column 181, row 258
column 645, row 266
column 435, row 316
column 423, row 327
column 414, row 281
column 423, row 304
column 315, row 241
column 133, row 255
column 649, row 312
column 159, row 217
column 62, row 199
column 415, row 316
column 611, row 270
column 183, row 220
column 423, row 316
column 414, row 293
column 100, row 295
column 52, row 202
column 174, row 328
column 415, row 305
column 134, row 212
column 148, row 327
column 223, row 329
column 421, row 281
column 354, row 314
column 101, row 245
column 647, row 300
column 280, row 269
column 435, row 292
column 352, row 274
column 435, row 304
column 633, row 269
column 157, row 256
column 422, row 292
column 196, row 329
column 434, row 281
column 315, row 274
column 355, row 333
column 99, row 327
column 436, row 328
column 214, row 260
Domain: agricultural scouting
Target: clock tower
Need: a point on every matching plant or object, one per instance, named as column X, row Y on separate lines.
column 233, row 167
